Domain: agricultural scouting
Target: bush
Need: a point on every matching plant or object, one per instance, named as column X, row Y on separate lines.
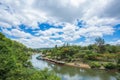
column 110, row 66
column 118, row 76
column 89, row 52
column 95, row 65
column 91, row 57
column 118, row 67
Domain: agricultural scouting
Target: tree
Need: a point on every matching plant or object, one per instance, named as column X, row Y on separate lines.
column 56, row 46
column 15, row 65
column 100, row 43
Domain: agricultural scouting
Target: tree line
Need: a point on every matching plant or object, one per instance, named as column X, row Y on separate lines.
column 96, row 55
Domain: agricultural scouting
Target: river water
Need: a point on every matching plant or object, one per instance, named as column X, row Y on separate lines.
column 73, row 73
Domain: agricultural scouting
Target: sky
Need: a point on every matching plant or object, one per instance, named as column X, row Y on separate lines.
column 46, row 23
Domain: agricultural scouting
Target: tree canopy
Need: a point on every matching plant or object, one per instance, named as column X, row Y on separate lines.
column 15, row 64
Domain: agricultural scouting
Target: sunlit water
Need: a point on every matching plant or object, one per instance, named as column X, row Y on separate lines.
column 73, row 73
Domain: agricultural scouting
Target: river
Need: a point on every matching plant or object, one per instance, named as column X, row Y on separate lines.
column 73, row 73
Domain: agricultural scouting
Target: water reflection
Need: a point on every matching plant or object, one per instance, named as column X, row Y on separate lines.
column 73, row 73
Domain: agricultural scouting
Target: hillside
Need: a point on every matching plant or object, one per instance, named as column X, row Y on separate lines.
column 14, row 64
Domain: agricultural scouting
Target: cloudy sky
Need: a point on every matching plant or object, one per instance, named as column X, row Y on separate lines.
column 45, row 23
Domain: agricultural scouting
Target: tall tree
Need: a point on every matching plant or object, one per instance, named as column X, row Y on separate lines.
column 56, row 46
column 100, row 43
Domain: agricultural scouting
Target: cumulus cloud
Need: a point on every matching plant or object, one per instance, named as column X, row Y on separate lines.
column 17, row 33
column 116, row 42
column 112, row 9
column 99, row 17
column 20, row 12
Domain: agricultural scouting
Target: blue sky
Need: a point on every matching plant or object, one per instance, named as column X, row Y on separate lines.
column 45, row 23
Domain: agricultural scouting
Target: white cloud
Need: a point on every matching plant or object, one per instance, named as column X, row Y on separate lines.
column 6, row 25
column 17, row 33
column 116, row 42
column 30, row 12
column 39, row 42
column 20, row 12
column 96, row 13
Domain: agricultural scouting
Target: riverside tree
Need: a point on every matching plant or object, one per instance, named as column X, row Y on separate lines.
column 100, row 43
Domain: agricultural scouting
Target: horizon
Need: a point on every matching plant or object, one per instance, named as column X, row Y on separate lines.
column 46, row 23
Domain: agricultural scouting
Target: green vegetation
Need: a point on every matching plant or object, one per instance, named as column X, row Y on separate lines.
column 15, row 65
column 110, row 66
column 118, row 76
column 96, row 55
column 95, row 65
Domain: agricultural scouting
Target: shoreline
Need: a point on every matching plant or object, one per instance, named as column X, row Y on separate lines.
column 79, row 65
column 74, row 64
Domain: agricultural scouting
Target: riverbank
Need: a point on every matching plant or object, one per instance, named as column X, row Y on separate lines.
column 72, row 73
column 91, row 65
column 73, row 64
column 80, row 65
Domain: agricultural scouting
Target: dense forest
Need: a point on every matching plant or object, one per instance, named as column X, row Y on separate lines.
column 97, row 55
column 15, row 64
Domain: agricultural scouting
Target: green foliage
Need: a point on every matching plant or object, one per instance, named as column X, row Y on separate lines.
column 117, row 58
column 32, row 74
column 118, row 76
column 86, row 54
column 110, row 66
column 118, row 67
column 95, row 65
column 14, row 64
column 100, row 43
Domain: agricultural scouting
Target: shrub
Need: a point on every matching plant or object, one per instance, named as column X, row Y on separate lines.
column 89, row 52
column 91, row 57
column 118, row 76
column 118, row 67
column 95, row 65
column 110, row 66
